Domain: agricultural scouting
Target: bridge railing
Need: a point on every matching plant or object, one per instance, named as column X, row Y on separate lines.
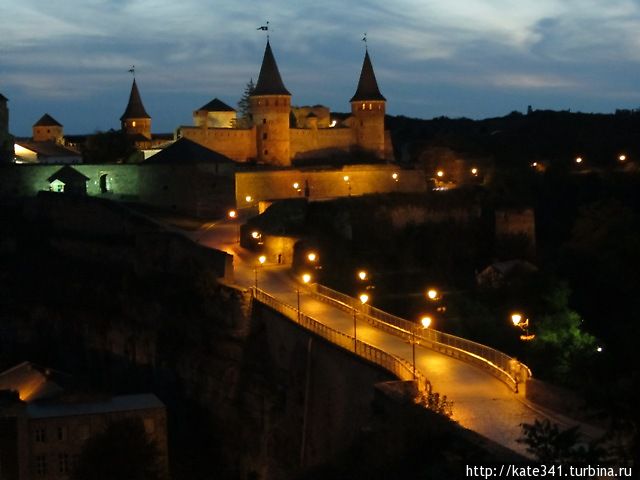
column 396, row 365
column 505, row 368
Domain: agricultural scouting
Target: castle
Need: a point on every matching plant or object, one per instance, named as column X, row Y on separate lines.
column 272, row 140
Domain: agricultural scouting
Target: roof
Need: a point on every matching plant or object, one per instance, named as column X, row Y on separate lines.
column 367, row 85
column 269, row 80
column 48, row 149
column 3, row 98
column 187, row 151
column 33, row 382
column 216, row 105
column 47, row 121
column 135, row 108
column 67, row 174
column 119, row 403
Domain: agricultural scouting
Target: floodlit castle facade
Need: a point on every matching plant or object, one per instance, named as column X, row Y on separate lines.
column 273, row 140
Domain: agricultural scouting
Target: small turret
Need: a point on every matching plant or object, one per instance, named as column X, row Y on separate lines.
column 6, row 141
column 368, row 110
column 135, row 119
column 47, row 129
column 270, row 109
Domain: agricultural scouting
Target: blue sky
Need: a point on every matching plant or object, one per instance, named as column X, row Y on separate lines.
column 473, row 58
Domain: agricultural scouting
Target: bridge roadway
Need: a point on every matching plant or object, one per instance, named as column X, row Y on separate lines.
column 481, row 402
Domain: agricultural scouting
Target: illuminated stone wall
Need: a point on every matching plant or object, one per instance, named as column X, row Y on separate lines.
column 363, row 179
column 320, row 142
column 237, row 144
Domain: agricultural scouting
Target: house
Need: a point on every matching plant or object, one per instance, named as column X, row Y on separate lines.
column 68, row 180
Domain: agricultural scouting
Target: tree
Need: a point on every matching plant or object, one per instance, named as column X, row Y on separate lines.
column 123, row 450
column 113, row 146
column 244, row 106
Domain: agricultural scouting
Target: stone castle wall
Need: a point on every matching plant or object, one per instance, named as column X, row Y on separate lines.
column 363, row 180
column 237, row 144
column 320, row 142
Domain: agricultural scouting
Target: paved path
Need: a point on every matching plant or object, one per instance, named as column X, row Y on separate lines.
column 480, row 401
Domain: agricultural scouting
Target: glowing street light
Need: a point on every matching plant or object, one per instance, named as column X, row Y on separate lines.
column 261, row 260
column 474, row 171
column 395, row 176
column 255, row 235
column 622, row 158
column 364, row 298
column 521, row 322
column 348, row 182
column 440, row 173
column 362, row 275
column 432, row 294
column 425, row 322
column 248, row 199
column 306, row 278
column 578, row 160
column 232, row 214
column 312, row 256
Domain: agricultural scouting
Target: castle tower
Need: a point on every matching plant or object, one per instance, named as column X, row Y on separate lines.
column 270, row 109
column 47, row 129
column 368, row 110
column 6, row 142
column 135, row 119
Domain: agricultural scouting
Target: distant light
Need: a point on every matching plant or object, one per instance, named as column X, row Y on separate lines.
column 474, row 171
column 312, row 256
column 426, row 321
column 534, row 164
column 599, row 349
column 333, row 123
column 248, row 198
column 622, row 158
column 579, row 160
column 306, row 278
column 346, row 178
column 233, row 214
column 432, row 294
column 262, row 259
column 255, row 234
column 394, row 175
column 362, row 275
column 296, row 185
column 364, row 298
column 440, row 173
column 516, row 318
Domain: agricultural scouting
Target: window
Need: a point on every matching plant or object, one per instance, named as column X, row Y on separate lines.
column 264, row 120
column 370, row 107
column 264, row 136
column 41, row 465
column 363, row 106
column 40, row 434
column 63, row 463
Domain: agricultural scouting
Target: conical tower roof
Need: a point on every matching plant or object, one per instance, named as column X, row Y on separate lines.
column 367, row 86
column 269, row 81
column 135, row 108
column 3, row 98
column 47, row 121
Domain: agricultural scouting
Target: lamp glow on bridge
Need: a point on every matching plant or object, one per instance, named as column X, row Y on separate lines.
column 261, row 260
column 425, row 322
column 521, row 322
column 305, row 279
column 364, row 298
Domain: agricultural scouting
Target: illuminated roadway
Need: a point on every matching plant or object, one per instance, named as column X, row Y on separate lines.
column 481, row 402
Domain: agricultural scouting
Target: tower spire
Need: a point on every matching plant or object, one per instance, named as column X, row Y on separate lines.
column 367, row 85
column 269, row 80
column 135, row 108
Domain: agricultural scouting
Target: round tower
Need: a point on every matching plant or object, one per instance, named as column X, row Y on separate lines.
column 135, row 119
column 368, row 109
column 270, row 110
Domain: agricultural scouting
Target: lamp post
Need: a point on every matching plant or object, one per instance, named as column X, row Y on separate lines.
column 519, row 321
column 306, row 278
column 261, row 260
column 348, row 182
column 425, row 322
column 363, row 299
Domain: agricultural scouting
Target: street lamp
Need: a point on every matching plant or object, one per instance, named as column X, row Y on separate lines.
column 578, row 160
column 519, row 321
column 425, row 322
column 348, row 182
column 232, row 214
column 248, row 199
column 395, row 176
column 312, row 256
column 474, row 171
column 622, row 158
column 306, row 278
column 432, row 294
column 364, row 298
column 261, row 260
column 440, row 173
column 297, row 188
column 362, row 275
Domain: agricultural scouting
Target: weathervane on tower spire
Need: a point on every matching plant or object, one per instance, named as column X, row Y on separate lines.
column 264, row 28
column 364, row 39
column 132, row 71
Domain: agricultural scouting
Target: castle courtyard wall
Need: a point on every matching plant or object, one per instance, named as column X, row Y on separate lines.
column 236, row 143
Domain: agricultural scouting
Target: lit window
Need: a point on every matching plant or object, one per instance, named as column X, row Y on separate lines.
column 363, row 106
column 133, row 124
column 370, row 107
